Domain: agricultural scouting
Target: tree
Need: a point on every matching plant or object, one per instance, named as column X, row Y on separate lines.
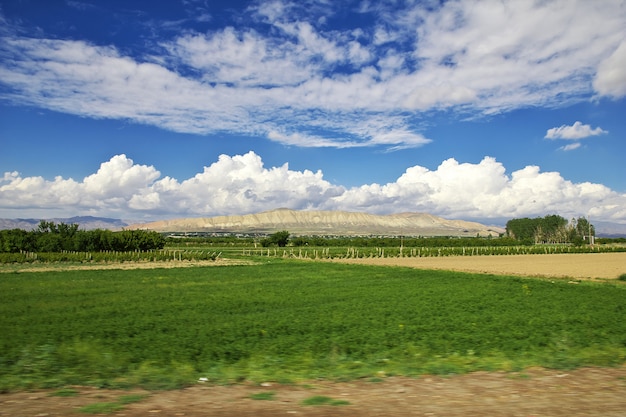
column 523, row 229
column 548, row 229
column 580, row 230
column 551, row 229
column 15, row 240
column 279, row 238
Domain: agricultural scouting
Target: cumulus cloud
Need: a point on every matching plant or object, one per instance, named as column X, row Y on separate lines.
column 241, row 184
column 287, row 73
column 574, row 132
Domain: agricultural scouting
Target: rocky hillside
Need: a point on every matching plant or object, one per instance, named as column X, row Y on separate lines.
column 326, row 223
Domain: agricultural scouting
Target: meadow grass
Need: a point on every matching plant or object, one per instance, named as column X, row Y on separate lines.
column 289, row 320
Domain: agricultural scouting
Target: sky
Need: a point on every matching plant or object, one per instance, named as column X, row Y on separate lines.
column 473, row 109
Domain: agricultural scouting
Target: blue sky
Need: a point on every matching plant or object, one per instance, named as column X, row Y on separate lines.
column 479, row 110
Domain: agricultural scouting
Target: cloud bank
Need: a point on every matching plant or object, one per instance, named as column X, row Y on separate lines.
column 241, row 184
column 285, row 75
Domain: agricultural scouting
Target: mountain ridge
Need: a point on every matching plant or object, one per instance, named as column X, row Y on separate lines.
column 603, row 229
column 320, row 222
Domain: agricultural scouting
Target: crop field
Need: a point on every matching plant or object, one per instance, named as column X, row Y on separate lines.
column 355, row 252
column 595, row 266
column 287, row 320
column 109, row 256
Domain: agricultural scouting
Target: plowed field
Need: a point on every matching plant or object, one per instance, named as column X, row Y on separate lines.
column 578, row 266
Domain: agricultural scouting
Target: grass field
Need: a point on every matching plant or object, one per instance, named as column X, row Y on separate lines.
column 286, row 320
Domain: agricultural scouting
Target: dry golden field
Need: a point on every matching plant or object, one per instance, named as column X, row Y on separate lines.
column 578, row 266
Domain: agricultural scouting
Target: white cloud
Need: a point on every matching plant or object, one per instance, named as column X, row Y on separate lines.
column 483, row 190
column 242, row 58
column 394, row 139
column 119, row 177
column 300, row 76
column 570, row 147
column 519, row 53
column 610, row 80
column 242, row 184
column 308, row 141
column 576, row 131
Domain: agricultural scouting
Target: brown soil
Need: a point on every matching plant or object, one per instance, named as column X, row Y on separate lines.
column 63, row 266
column 579, row 266
column 535, row 392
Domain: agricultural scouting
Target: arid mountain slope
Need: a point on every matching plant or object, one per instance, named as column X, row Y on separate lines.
column 326, row 223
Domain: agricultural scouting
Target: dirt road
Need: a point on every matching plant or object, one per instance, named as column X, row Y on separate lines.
column 536, row 392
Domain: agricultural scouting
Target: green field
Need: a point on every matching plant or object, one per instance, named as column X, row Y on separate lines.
column 289, row 320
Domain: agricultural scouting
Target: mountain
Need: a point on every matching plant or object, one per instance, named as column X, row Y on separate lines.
column 304, row 223
column 84, row 222
column 326, row 223
column 606, row 229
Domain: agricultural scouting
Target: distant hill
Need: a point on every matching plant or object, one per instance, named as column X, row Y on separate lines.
column 84, row 222
column 606, row 229
column 303, row 223
column 326, row 223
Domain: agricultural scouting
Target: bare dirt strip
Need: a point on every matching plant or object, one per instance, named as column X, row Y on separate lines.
column 592, row 266
column 589, row 392
column 68, row 266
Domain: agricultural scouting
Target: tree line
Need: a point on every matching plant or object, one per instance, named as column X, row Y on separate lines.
column 52, row 237
column 550, row 229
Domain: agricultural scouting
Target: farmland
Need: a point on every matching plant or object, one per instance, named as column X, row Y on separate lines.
column 287, row 320
column 597, row 266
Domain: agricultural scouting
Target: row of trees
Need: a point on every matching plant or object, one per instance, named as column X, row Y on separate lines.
column 52, row 237
column 551, row 229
